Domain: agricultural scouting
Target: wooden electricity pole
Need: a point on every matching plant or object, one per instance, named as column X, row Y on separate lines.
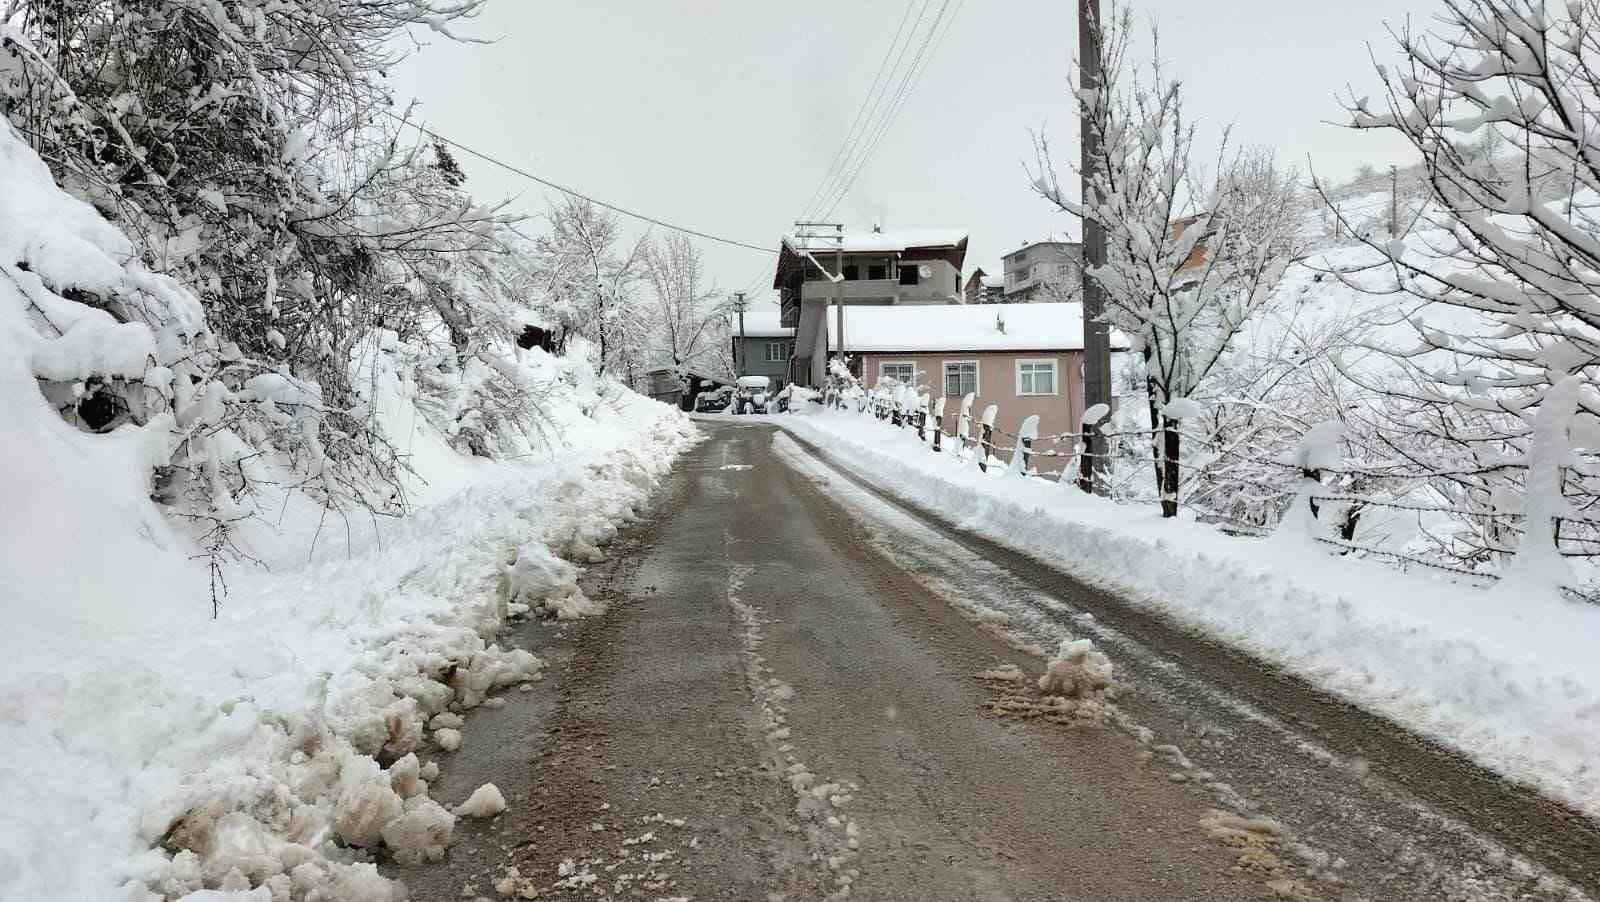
column 1092, row 476
column 739, row 360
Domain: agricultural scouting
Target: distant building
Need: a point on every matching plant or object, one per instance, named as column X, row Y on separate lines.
column 766, row 347
column 1024, row 358
column 983, row 288
column 1043, row 271
column 1197, row 257
column 876, row 269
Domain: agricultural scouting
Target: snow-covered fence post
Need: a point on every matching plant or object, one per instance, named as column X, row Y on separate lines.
column 1318, row 451
column 1022, row 458
column 964, row 426
column 1537, row 564
column 986, row 442
column 1089, row 422
column 938, row 425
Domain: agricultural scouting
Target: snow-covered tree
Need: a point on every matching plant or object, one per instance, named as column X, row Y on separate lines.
column 593, row 283
column 686, row 321
column 1189, row 258
column 235, row 143
column 1499, row 386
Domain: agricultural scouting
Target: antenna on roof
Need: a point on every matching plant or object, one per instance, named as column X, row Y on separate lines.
column 1000, row 321
column 877, row 228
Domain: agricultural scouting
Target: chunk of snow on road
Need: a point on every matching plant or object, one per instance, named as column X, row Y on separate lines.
column 1079, row 670
column 421, row 833
column 485, row 801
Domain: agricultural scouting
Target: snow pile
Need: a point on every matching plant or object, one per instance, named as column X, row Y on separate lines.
column 154, row 752
column 1512, row 683
column 1079, row 670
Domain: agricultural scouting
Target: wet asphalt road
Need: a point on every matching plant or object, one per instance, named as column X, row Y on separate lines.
column 784, row 701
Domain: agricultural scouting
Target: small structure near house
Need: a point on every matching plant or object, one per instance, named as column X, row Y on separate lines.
column 666, row 384
column 1027, row 359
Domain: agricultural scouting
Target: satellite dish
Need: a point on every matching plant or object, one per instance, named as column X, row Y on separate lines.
column 925, row 271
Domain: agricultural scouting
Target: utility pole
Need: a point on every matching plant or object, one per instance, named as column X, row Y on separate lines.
column 838, row 289
column 803, row 231
column 1096, row 332
column 739, row 360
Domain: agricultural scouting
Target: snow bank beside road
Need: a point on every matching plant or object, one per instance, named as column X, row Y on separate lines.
column 255, row 740
column 1514, row 685
column 153, row 752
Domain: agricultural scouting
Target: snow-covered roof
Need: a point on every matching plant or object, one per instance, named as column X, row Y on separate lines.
column 994, row 281
column 965, row 327
column 761, row 324
column 891, row 241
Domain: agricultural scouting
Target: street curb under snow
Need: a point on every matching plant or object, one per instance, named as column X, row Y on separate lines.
column 1515, row 685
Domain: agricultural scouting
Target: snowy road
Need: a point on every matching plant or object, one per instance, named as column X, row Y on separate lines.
column 785, row 701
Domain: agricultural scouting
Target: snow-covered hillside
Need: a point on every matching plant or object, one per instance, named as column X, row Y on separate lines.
column 154, row 750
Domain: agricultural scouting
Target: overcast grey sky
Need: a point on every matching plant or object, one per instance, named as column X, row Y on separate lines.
column 723, row 116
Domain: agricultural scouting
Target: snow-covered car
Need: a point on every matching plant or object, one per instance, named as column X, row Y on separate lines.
column 753, row 394
column 714, row 400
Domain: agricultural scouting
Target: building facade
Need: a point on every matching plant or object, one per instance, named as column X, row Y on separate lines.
column 765, row 347
column 859, row 269
column 1026, row 359
column 1043, row 271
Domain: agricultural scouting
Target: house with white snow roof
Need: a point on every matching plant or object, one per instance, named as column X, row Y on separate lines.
column 876, row 268
column 764, row 347
column 1024, row 358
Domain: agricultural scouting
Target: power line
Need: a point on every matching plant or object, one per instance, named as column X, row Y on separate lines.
column 908, row 87
column 857, row 157
column 578, row 194
column 846, row 151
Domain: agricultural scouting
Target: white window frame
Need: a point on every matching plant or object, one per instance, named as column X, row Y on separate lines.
column 784, row 346
column 885, row 364
column 1055, row 376
column 944, row 376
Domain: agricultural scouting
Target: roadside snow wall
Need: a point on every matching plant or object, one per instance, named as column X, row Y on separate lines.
column 152, row 751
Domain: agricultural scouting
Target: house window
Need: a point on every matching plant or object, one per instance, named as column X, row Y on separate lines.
column 852, row 272
column 908, row 274
column 1020, row 257
column 1036, row 377
column 960, row 378
column 779, row 351
column 877, row 271
column 1021, row 274
column 901, row 371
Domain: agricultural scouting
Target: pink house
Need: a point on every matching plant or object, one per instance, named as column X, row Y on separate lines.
column 1024, row 358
